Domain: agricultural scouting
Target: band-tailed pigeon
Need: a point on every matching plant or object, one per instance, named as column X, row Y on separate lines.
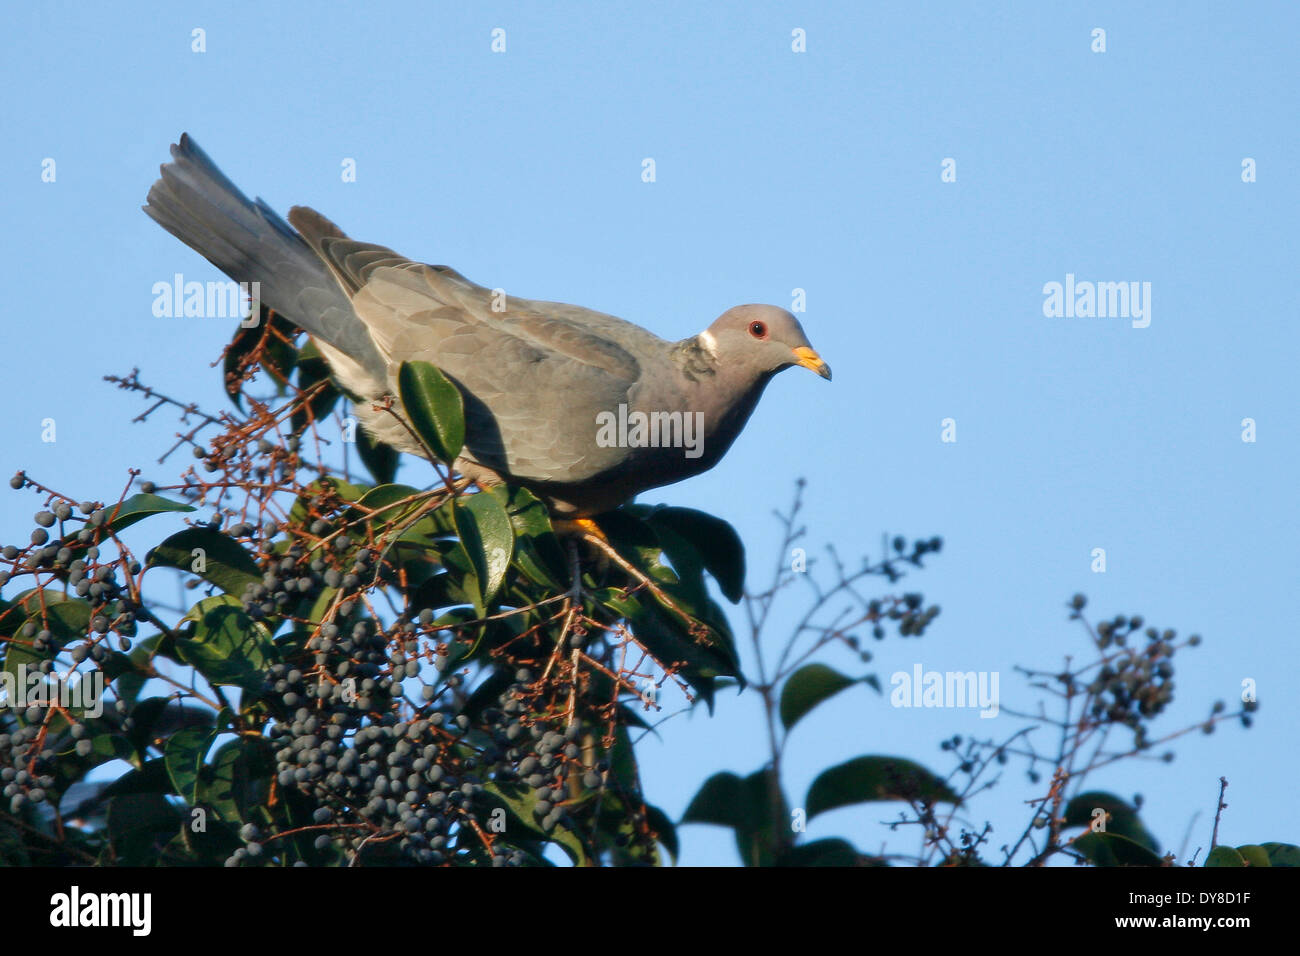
column 584, row 409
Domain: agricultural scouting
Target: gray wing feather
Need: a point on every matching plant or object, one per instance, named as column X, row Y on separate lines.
column 534, row 380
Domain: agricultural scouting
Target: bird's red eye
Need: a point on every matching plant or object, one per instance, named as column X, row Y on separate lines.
column 758, row 330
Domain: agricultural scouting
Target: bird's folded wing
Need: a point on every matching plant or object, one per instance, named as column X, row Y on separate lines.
column 535, row 375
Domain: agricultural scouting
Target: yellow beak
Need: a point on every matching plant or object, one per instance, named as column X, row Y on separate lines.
column 809, row 359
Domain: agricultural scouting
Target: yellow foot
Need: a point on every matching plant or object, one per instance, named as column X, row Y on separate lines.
column 582, row 527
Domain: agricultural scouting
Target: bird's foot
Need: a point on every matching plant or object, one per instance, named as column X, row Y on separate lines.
column 578, row 527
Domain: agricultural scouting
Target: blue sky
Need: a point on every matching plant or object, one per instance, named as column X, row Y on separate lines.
column 775, row 170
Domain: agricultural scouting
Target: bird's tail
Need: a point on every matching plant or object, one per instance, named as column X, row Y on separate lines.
column 248, row 241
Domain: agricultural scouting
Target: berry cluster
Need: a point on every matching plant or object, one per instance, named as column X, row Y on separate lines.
column 372, row 775
column 27, row 764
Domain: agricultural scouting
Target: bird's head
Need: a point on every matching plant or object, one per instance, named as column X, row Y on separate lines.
column 763, row 338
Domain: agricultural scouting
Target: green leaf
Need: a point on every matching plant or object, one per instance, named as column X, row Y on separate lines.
column 380, row 459
column 664, row 830
column 383, row 501
column 70, row 767
column 720, row 801
column 684, row 570
column 537, row 549
column 714, row 540
column 873, row 778
column 1222, row 856
column 389, row 509
column 183, row 757
column 136, row 508
column 225, row 563
column 160, row 717
column 1123, row 818
column 149, row 777
column 321, row 605
column 210, row 846
column 486, row 694
column 487, row 539
column 1112, row 849
column 66, row 619
column 519, row 804
column 140, row 824
column 746, row 806
column 1282, row 854
column 456, row 588
column 626, row 529
column 238, row 780
column 1254, row 855
column 808, row 687
column 761, row 844
column 129, row 672
column 434, row 408
column 111, row 747
column 829, row 852
column 688, row 604
column 227, row 646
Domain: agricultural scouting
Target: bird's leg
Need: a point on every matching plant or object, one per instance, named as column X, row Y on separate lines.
column 575, row 567
column 585, row 529
column 590, row 532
